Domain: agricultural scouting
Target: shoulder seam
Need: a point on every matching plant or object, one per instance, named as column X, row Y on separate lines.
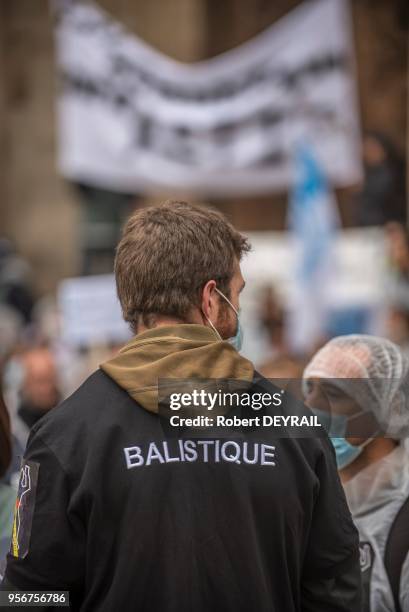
column 35, row 433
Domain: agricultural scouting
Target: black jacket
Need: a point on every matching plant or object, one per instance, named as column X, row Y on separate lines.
column 168, row 525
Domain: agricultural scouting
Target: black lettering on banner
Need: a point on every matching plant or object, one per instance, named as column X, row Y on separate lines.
column 144, row 138
column 289, row 78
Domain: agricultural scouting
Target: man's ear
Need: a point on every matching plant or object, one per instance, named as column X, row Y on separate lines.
column 209, row 305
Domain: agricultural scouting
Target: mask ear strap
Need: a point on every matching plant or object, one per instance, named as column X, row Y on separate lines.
column 358, row 414
column 369, row 440
column 213, row 328
column 227, row 300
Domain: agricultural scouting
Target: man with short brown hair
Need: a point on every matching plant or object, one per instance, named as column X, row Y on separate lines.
column 154, row 517
column 165, row 258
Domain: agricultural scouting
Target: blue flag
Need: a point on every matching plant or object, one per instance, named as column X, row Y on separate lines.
column 313, row 222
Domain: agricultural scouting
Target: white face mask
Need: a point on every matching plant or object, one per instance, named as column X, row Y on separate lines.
column 237, row 340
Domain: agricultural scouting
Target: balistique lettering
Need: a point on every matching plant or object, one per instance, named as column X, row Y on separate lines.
column 205, row 451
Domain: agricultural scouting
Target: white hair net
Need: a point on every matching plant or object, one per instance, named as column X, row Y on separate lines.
column 377, row 374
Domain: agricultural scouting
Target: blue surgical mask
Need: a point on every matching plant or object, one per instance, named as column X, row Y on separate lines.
column 345, row 452
column 336, row 427
column 237, row 340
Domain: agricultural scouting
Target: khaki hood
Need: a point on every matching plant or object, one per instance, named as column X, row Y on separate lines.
column 176, row 351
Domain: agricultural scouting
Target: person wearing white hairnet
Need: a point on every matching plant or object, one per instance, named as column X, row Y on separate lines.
column 358, row 386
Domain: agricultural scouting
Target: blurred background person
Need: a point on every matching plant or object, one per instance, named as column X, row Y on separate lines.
column 397, row 327
column 396, row 318
column 10, row 330
column 39, row 391
column 7, row 493
column 382, row 197
column 15, row 291
column 397, row 253
column 33, row 388
column 358, row 386
column 271, row 316
column 280, row 363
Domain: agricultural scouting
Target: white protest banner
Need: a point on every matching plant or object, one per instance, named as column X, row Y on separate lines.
column 90, row 311
column 134, row 120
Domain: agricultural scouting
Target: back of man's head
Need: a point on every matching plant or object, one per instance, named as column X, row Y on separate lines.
column 167, row 254
column 40, row 386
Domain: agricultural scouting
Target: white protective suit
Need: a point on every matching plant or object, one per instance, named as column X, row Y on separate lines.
column 375, row 496
column 377, row 493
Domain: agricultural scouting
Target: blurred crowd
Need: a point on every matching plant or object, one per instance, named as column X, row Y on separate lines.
column 393, row 323
column 38, row 369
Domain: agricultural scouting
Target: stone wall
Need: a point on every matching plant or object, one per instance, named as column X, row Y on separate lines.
column 39, row 211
